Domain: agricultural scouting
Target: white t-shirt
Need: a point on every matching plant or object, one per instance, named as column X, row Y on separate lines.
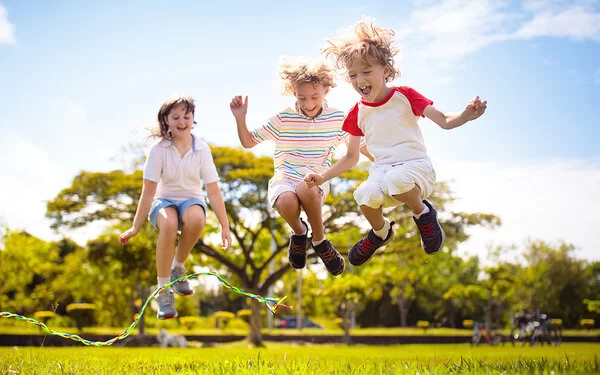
column 180, row 178
column 390, row 127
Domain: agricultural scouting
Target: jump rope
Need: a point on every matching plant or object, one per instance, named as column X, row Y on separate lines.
column 272, row 304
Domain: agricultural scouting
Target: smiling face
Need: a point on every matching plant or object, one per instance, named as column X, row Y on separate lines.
column 180, row 121
column 310, row 98
column 368, row 79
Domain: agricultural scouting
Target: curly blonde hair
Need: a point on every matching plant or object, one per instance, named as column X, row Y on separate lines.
column 364, row 42
column 161, row 130
column 295, row 70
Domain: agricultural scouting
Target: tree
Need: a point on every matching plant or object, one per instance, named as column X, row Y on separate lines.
column 113, row 196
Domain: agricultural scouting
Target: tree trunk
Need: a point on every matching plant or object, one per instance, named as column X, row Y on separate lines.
column 347, row 339
column 403, row 307
column 255, row 336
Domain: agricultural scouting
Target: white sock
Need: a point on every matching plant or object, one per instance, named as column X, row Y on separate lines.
column 303, row 232
column 383, row 232
column 176, row 264
column 162, row 281
column 425, row 210
column 315, row 243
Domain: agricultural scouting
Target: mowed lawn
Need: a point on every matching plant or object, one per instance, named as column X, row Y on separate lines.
column 237, row 358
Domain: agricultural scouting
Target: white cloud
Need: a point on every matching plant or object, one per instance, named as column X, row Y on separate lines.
column 29, row 180
column 7, row 31
column 451, row 29
column 575, row 23
column 553, row 201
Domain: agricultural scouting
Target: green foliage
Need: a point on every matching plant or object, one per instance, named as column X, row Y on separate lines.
column 82, row 314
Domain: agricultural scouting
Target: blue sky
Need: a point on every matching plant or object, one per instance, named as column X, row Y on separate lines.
column 79, row 80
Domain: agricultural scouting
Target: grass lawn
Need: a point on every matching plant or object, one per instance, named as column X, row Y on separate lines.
column 307, row 360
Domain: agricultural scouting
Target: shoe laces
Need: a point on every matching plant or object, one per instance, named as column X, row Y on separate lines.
column 165, row 298
column 427, row 230
column 367, row 246
column 179, row 272
column 298, row 248
column 328, row 255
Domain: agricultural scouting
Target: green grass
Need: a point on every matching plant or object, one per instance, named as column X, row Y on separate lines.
column 307, row 360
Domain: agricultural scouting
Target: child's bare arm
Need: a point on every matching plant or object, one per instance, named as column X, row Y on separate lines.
column 365, row 152
column 148, row 191
column 218, row 206
column 472, row 111
column 345, row 163
column 239, row 108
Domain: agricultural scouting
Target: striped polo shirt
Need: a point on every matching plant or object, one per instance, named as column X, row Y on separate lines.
column 302, row 144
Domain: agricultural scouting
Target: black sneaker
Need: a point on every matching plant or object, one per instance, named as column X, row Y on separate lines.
column 364, row 249
column 432, row 234
column 334, row 262
column 297, row 249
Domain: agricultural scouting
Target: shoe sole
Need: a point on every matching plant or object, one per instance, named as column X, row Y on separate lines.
column 340, row 271
column 166, row 317
column 441, row 245
column 182, row 294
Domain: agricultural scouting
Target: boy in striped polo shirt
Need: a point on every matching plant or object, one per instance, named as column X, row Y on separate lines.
column 305, row 139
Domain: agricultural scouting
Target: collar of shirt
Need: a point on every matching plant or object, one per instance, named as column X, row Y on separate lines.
column 196, row 145
column 299, row 111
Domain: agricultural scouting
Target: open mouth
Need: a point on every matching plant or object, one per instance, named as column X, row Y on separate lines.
column 365, row 90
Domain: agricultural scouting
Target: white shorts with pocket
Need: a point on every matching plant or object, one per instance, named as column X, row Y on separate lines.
column 387, row 180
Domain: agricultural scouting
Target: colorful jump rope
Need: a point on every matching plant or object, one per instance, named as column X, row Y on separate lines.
column 272, row 304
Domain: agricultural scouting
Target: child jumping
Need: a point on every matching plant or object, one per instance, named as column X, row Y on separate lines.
column 305, row 139
column 177, row 167
column 387, row 118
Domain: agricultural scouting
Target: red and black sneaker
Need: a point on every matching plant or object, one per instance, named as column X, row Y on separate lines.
column 432, row 234
column 364, row 249
column 334, row 262
column 297, row 249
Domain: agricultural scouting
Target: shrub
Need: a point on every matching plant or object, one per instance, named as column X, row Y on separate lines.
column 82, row 314
column 556, row 322
column 189, row 322
column 587, row 323
column 423, row 324
column 468, row 323
column 43, row 316
column 222, row 318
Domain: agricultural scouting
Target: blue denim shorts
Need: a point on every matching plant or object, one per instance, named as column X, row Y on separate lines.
column 160, row 203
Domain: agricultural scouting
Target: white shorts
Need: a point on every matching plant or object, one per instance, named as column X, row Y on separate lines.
column 279, row 186
column 387, row 180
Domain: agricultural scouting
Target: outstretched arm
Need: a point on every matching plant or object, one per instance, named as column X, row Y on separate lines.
column 472, row 111
column 239, row 108
column 345, row 163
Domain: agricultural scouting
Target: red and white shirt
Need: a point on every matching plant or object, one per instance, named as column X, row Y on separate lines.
column 390, row 127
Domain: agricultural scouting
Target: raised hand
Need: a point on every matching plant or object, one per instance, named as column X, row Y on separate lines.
column 239, row 106
column 474, row 109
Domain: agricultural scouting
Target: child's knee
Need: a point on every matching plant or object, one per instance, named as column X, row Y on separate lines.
column 286, row 201
column 368, row 195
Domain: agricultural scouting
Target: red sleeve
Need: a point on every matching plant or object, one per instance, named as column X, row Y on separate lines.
column 417, row 101
column 351, row 122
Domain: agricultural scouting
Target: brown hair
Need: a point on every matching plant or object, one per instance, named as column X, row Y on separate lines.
column 364, row 42
column 161, row 130
column 295, row 70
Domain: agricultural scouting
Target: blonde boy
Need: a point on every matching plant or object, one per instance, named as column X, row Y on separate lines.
column 387, row 118
column 306, row 136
